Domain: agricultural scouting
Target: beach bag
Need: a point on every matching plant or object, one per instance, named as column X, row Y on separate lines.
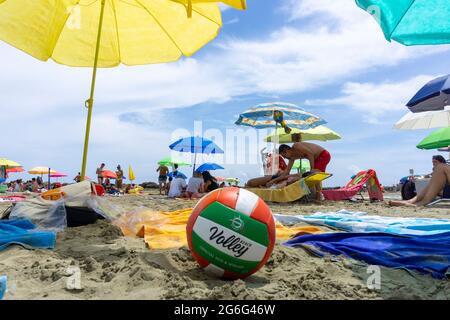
column 81, row 216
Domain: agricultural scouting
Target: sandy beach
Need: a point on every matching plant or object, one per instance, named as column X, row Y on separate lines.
column 117, row 267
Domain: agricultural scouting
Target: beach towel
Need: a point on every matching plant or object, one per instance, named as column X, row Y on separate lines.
column 167, row 230
column 425, row 254
column 361, row 222
column 24, row 233
column 289, row 193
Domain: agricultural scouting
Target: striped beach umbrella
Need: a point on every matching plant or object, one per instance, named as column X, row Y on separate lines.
column 264, row 116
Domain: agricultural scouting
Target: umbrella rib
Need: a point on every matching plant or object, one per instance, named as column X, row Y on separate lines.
column 117, row 29
column 160, row 25
column 208, row 18
column 62, row 29
column 400, row 20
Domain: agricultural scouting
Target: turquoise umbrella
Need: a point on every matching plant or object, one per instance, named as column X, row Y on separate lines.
column 411, row 22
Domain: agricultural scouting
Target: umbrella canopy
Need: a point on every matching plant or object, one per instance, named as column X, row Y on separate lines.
column 58, row 175
column 8, row 163
column 41, row 170
column 437, row 139
column 15, row 170
column 209, row 166
column 105, row 33
column 179, row 174
column 320, row 133
column 109, row 174
column 220, row 179
column 424, row 120
column 131, row 175
column 170, row 161
column 195, row 145
column 411, row 22
column 432, row 97
column 264, row 116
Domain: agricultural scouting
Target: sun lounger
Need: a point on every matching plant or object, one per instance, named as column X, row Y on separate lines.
column 290, row 193
column 444, row 200
column 355, row 186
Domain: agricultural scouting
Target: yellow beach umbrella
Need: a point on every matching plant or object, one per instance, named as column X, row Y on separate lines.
column 41, row 170
column 106, row 33
column 320, row 133
column 131, row 175
column 8, row 163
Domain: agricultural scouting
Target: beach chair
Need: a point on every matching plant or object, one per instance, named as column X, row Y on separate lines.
column 444, row 200
column 355, row 187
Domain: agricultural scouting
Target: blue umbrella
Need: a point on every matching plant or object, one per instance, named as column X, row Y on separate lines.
column 265, row 116
column 196, row 145
column 433, row 96
column 178, row 174
column 208, row 167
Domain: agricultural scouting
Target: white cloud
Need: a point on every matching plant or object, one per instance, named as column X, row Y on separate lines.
column 375, row 100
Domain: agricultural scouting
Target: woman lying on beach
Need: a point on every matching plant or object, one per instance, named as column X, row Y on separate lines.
column 440, row 178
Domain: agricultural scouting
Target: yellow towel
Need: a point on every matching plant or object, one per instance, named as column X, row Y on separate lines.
column 167, row 230
column 290, row 193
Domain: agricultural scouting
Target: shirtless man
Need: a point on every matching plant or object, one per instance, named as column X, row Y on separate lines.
column 318, row 157
column 162, row 179
column 441, row 177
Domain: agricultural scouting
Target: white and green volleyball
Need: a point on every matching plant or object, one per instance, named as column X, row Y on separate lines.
column 231, row 233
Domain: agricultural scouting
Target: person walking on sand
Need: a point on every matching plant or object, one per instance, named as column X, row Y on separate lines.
column 162, row 179
column 318, row 157
column 99, row 173
column 119, row 180
column 439, row 179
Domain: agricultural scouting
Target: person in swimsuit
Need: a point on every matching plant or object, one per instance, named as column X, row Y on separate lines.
column 318, row 157
column 119, row 180
column 439, row 179
column 162, row 179
column 99, row 173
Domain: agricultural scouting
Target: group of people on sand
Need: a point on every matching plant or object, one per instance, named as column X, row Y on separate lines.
column 318, row 157
column 33, row 185
column 174, row 184
column 111, row 188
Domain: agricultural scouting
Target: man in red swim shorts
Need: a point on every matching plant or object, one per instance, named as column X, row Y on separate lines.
column 318, row 157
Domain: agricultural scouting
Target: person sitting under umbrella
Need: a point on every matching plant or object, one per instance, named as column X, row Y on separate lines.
column 318, row 157
column 210, row 183
column 439, row 179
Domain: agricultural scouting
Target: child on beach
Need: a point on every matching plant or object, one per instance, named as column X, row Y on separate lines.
column 162, row 179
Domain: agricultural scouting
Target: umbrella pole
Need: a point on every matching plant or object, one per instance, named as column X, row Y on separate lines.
column 48, row 187
column 90, row 103
column 195, row 160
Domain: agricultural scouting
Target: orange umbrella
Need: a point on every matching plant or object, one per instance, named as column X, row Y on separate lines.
column 109, row 174
column 15, row 170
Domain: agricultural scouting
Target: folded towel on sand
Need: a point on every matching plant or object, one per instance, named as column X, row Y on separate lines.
column 361, row 222
column 166, row 230
column 23, row 232
column 426, row 254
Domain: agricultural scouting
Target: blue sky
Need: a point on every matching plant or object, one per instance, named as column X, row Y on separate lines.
column 330, row 58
